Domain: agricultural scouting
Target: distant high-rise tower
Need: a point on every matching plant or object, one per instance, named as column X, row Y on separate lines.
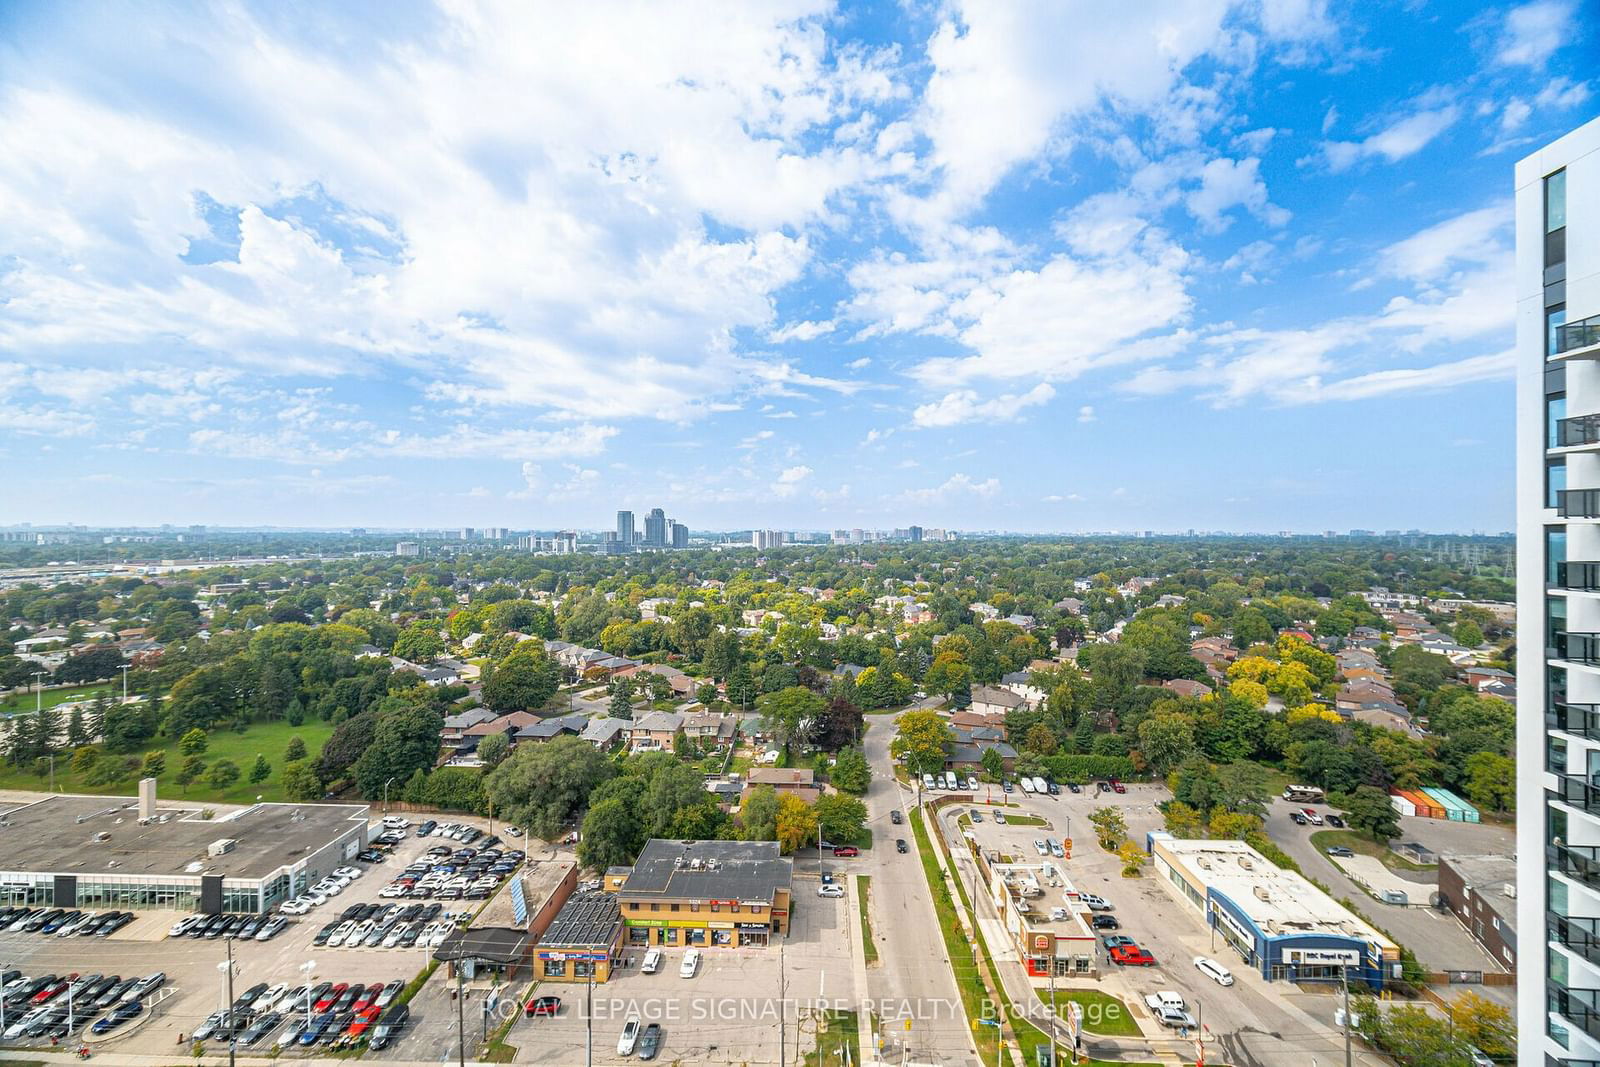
column 679, row 534
column 655, row 529
column 1557, row 285
column 625, row 528
column 916, row 534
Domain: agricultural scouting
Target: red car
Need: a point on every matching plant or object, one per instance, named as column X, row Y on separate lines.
column 1118, row 787
column 847, row 850
column 333, row 994
column 544, row 1006
column 1131, row 956
column 363, row 1021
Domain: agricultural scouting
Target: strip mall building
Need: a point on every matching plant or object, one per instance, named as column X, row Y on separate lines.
column 704, row 893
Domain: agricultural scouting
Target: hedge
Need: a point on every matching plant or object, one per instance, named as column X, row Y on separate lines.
column 1069, row 767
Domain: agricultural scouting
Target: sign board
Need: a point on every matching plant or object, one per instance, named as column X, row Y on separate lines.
column 1042, row 943
column 1233, row 924
column 1304, row 957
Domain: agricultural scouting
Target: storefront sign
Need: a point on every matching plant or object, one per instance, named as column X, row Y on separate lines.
column 558, row 955
column 720, row 925
column 1042, row 943
column 1233, row 925
column 1307, row 957
column 752, row 926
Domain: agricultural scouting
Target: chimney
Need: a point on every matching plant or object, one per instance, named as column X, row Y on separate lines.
column 147, row 798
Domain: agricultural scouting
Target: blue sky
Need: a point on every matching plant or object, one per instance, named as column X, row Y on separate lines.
column 1050, row 266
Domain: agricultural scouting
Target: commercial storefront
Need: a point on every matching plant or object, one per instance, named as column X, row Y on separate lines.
column 583, row 941
column 705, row 894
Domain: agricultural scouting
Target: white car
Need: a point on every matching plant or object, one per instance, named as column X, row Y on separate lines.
column 393, row 889
column 396, row 934
column 329, row 887
column 630, row 1036
column 513, row 831
column 690, row 964
column 1213, row 970
column 184, row 925
column 342, row 934
column 395, row 822
column 652, row 961
column 348, row 873
column 830, row 890
column 297, row 906
column 315, row 897
column 444, row 931
column 1041, row 848
column 263, row 1004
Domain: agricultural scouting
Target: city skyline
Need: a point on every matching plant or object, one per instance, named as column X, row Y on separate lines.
column 824, row 290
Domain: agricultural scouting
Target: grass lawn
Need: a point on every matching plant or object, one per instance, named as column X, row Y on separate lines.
column 1023, row 820
column 839, row 1030
column 1102, row 1013
column 267, row 738
column 869, row 949
column 1365, row 846
column 25, row 701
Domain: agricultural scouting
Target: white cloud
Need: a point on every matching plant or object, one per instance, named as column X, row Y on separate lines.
column 789, row 479
column 1228, row 183
column 1499, row 365
column 957, row 485
column 859, row 364
column 1532, row 32
column 1399, row 140
column 1086, row 413
column 964, row 405
column 800, row 331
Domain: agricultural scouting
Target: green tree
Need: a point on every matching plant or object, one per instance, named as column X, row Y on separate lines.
column 622, row 699
column 789, row 713
column 612, row 835
column 294, row 751
column 193, row 767
column 155, row 764
column 1415, row 1036
column 1166, row 739
column 758, row 815
column 261, row 770
column 493, row 749
column 1370, row 812
column 994, row 764
column 84, row 759
column 920, row 741
column 1110, row 828
column 851, row 771
column 1039, row 739
column 843, row 819
column 524, row 681
column 741, row 687
column 1488, row 1026
column 1132, row 857
column 1468, row 634
column 420, row 643
column 543, row 787
column 194, row 742
column 300, row 782
column 1492, row 781
column 1181, row 820
column 1244, row 787
column 222, row 774
column 402, row 742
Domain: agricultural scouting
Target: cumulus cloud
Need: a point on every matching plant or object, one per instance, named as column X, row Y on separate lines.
column 957, row 485
column 1532, row 32
column 964, row 405
column 1399, row 140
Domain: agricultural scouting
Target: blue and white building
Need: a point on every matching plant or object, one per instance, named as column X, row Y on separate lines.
column 1274, row 920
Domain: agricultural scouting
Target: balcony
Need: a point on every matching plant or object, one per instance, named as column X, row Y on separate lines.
column 1578, row 577
column 1575, row 335
column 1578, row 936
column 1577, row 791
column 1581, row 863
column 1578, row 431
column 1577, row 1006
column 1579, row 720
column 1577, row 647
column 1578, row 503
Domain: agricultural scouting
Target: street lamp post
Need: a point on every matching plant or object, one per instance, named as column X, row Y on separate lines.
column 226, row 967
column 996, row 1024
column 309, row 966
column 38, row 691
column 386, row 796
column 124, row 670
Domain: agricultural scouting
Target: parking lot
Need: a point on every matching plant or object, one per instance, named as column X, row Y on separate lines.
column 196, row 985
column 727, row 1013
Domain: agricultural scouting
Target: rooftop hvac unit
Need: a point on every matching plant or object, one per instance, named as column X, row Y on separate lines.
column 221, row 846
column 1245, row 862
column 102, row 836
column 1261, row 893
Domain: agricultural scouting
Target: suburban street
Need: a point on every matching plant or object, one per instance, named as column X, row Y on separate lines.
column 912, row 979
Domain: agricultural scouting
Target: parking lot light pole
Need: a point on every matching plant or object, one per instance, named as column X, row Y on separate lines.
column 386, row 796
column 308, row 967
column 226, row 967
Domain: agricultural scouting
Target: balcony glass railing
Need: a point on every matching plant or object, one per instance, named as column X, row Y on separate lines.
column 1577, row 1006
column 1580, row 334
column 1577, row 792
column 1580, row 720
column 1581, row 863
column 1581, row 936
column 1580, row 577
column 1577, row 647
column 1578, row 503
column 1579, row 430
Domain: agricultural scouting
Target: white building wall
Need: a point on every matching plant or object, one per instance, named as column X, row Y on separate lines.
column 1579, row 153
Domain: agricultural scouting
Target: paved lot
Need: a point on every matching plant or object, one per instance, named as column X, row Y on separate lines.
column 192, row 966
column 728, row 1013
column 1437, row 938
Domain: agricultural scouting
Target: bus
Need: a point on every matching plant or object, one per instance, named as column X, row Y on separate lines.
column 1304, row 794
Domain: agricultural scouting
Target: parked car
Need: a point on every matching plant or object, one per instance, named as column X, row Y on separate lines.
column 540, row 1006
column 1300, row 820
column 1131, row 956
column 1334, row 820
column 652, row 960
column 1213, row 970
column 1096, row 903
column 1340, row 851
column 1075, row 787
column 1118, row 787
column 630, row 1036
column 900, row 845
column 128, row 1009
column 690, row 964
column 389, row 1026
column 1105, row 922
column 843, row 851
column 895, row 817
column 830, row 891
column 650, row 1042
column 1040, row 847
column 1000, row 817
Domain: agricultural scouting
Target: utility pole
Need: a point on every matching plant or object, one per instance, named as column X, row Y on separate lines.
column 1344, row 977
column 782, row 1013
column 124, row 670
column 1199, row 1033
column 233, row 1028
column 588, row 1020
column 1054, row 1060
column 461, row 1018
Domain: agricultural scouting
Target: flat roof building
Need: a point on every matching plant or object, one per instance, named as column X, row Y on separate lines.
column 704, row 893
column 584, row 940
column 1050, row 934
column 1276, row 920
column 122, row 852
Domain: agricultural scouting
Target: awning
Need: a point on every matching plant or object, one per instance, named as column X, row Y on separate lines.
column 501, row 945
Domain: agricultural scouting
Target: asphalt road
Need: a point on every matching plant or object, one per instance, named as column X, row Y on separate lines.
column 912, row 979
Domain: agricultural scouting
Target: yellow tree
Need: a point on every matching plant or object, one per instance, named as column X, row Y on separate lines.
column 1486, row 1024
column 797, row 823
column 1132, row 857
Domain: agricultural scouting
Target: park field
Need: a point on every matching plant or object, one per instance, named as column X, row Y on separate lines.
column 24, row 702
column 268, row 739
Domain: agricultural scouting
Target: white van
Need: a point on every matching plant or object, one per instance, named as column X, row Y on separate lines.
column 1213, row 970
column 652, row 961
column 691, row 963
column 1040, row 786
column 950, row 781
column 928, row 784
column 395, row 822
column 1027, row 784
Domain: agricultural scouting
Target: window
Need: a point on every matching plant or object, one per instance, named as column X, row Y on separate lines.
column 555, row 968
column 582, row 968
column 674, row 906
column 1555, row 409
column 654, row 906
column 1554, row 319
column 715, row 906
column 1555, row 482
column 1555, row 553
column 1555, row 202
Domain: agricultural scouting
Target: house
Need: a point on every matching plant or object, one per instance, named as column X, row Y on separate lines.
column 1024, row 622
column 545, row 729
column 1069, row 606
column 989, row 699
column 846, row 670
column 1170, row 600
column 455, row 726
column 369, row 652
column 682, row 684
column 964, row 752
column 1506, row 691
column 1356, row 658
column 1354, row 695
column 1213, row 649
column 1478, row 677
column 655, row 732
column 986, row 612
column 606, row 733
column 797, row 781
column 969, row 719
column 505, row 725
column 1184, row 687
column 710, row 726
column 1376, row 675
column 1021, row 683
